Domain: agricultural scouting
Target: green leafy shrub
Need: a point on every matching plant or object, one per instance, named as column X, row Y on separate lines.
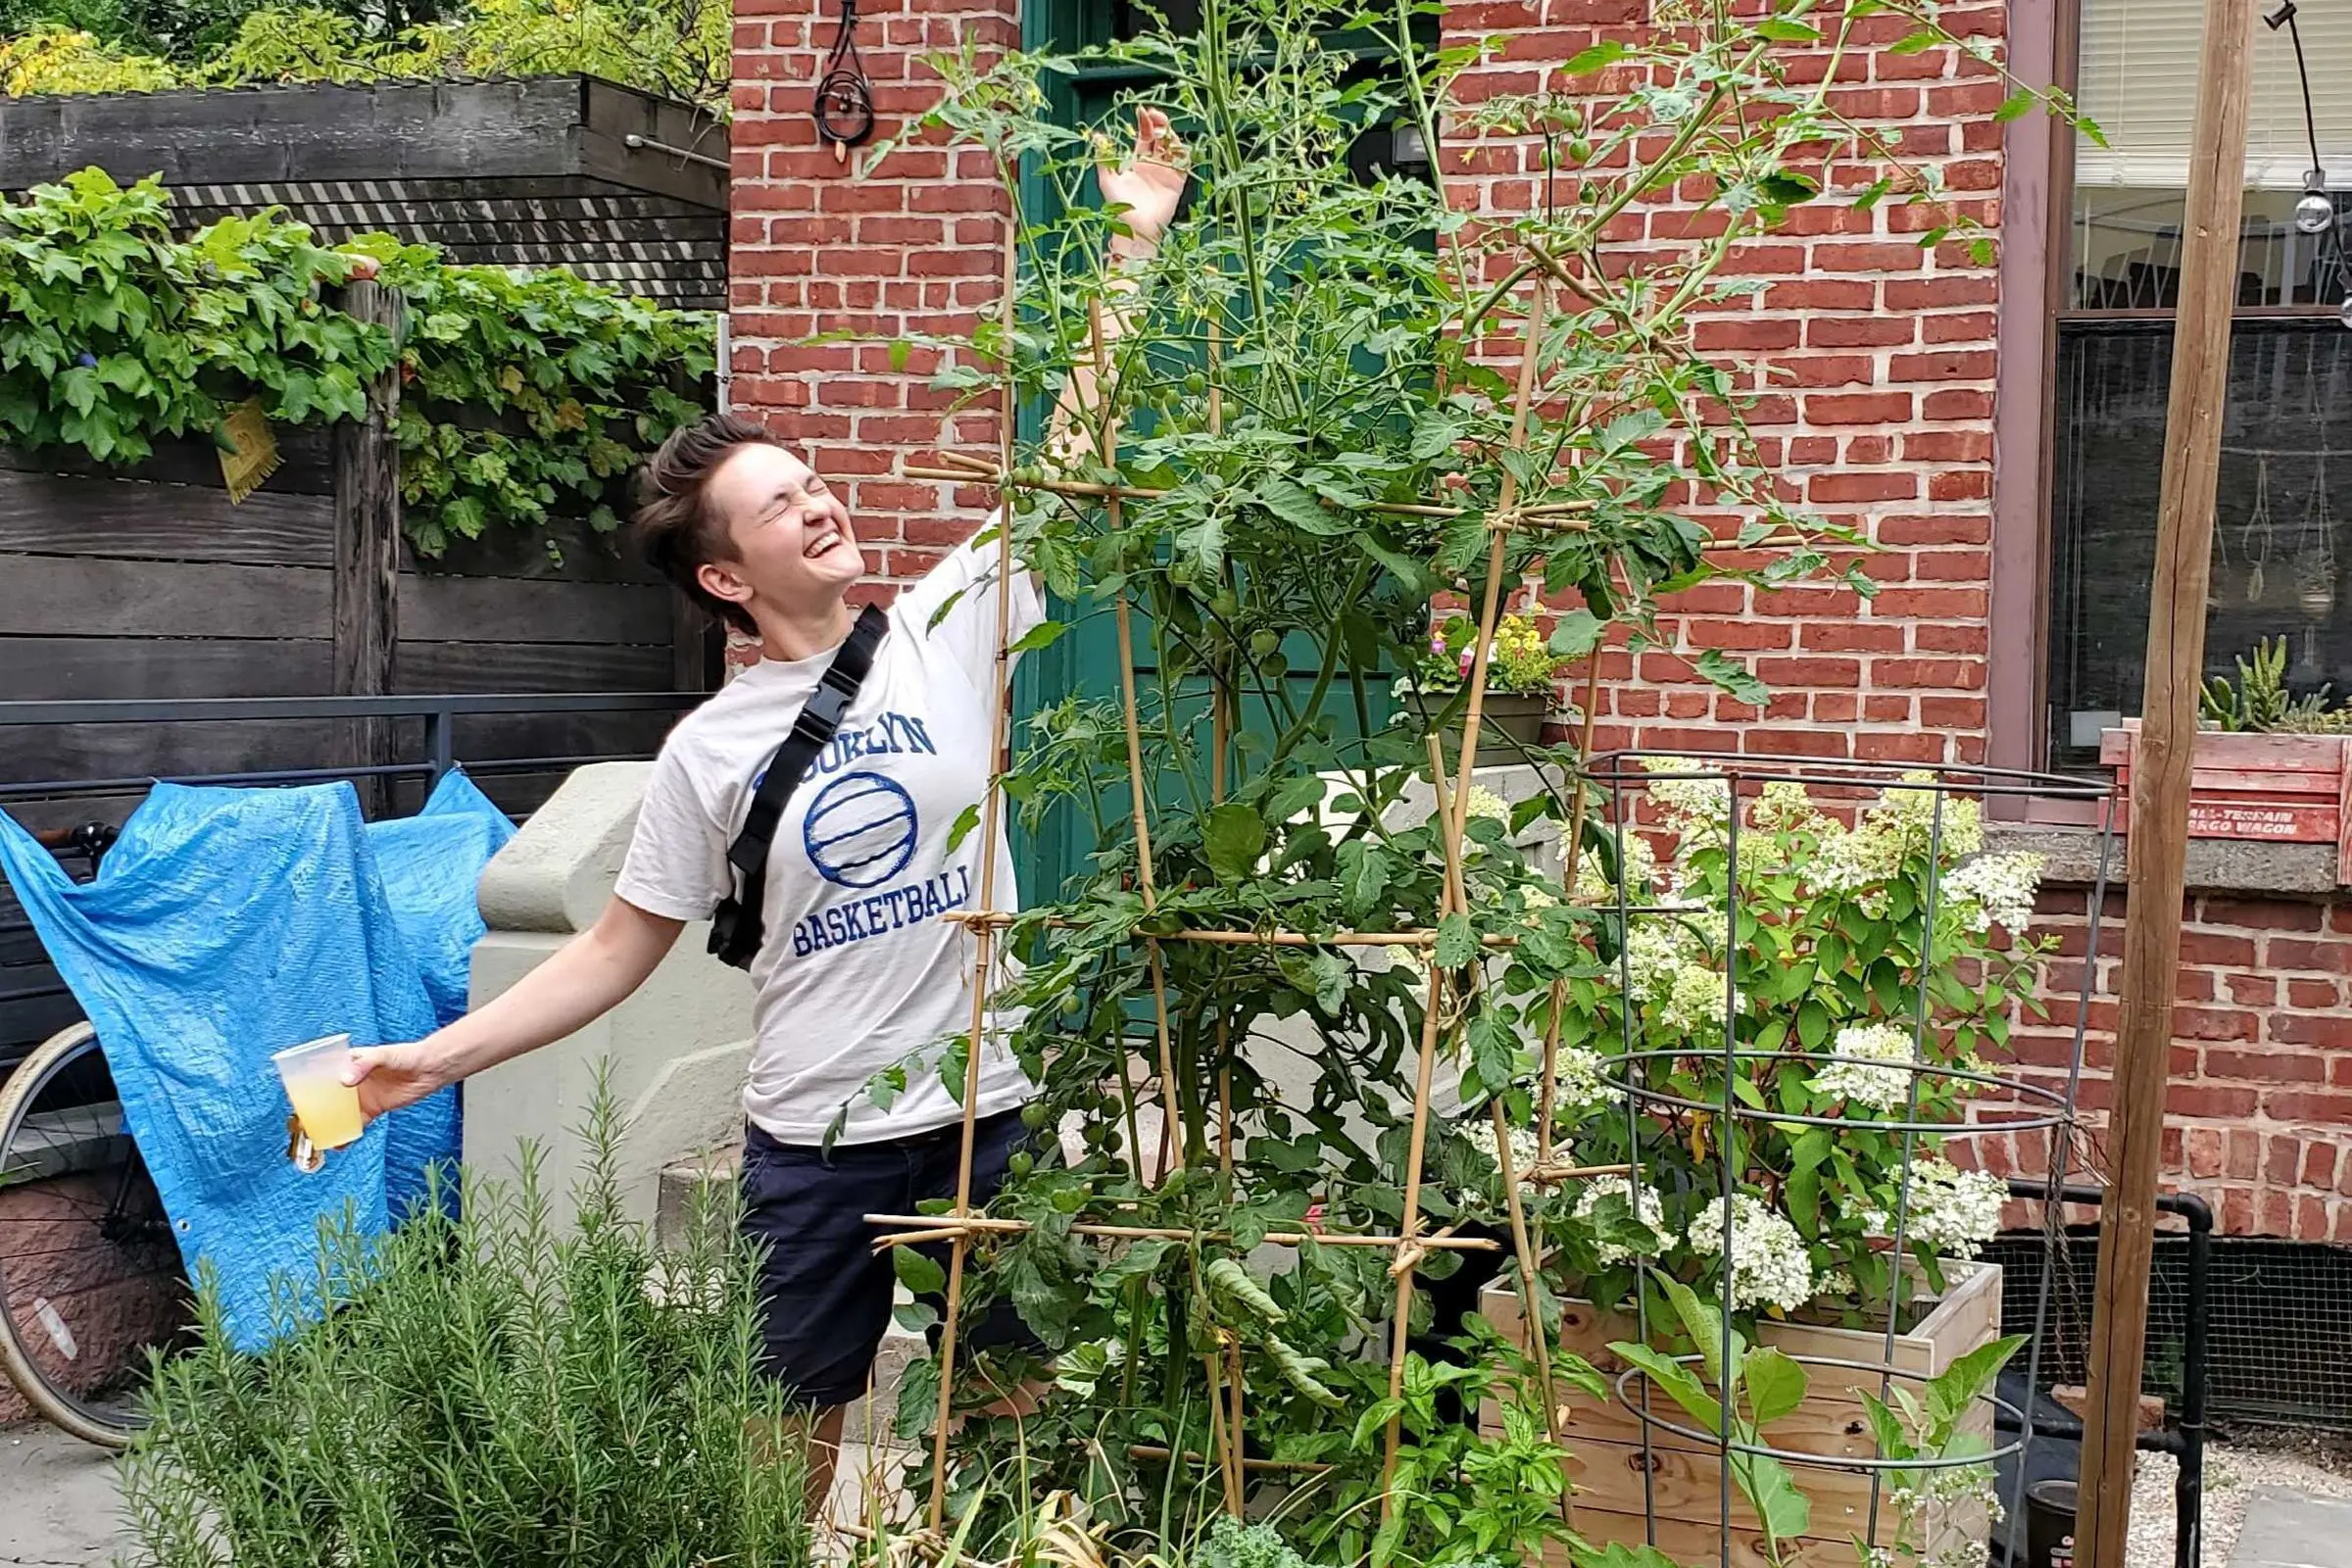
column 113, row 332
column 527, row 396
column 530, row 395
column 677, row 48
column 485, row 1390
column 1310, row 359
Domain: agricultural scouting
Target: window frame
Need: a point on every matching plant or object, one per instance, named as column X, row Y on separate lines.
column 2037, row 186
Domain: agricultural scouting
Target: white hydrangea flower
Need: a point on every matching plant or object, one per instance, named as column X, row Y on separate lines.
column 1696, row 809
column 1769, row 1263
column 1860, row 1085
column 1836, row 1284
column 2001, row 889
column 1648, row 1211
column 1784, row 805
column 1640, row 871
column 1846, row 860
column 1694, row 1002
column 1576, row 1077
column 1675, row 977
column 1953, row 1213
column 1897, row 826
column 1909, row 816
column 1478, row 1133
column 1484, row 802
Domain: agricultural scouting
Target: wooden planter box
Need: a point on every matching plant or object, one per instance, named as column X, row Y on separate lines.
column 2292, row 789
column 1604, row 1441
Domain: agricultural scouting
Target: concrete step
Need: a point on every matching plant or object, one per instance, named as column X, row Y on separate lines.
column 868, row 1421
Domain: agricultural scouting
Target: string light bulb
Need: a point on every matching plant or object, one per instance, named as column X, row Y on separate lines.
column 2316, row 212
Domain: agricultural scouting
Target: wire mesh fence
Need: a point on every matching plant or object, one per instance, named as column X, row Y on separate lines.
column 2282, row 1322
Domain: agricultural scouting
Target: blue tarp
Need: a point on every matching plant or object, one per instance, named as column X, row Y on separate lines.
column 225, row 924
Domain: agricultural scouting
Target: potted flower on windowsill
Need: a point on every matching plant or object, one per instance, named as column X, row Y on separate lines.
column 1520, row 672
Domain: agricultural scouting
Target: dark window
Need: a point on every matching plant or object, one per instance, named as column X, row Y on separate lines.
column 2285, row 484
column 2284, row 496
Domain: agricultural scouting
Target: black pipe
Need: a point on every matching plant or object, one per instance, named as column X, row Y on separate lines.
column 2186, row 1441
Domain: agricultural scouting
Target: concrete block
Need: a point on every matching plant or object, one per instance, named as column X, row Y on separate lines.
column 675, row 1054
column 2286, row 1528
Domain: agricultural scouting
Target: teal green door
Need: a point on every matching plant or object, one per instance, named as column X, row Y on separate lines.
column 1085, row 661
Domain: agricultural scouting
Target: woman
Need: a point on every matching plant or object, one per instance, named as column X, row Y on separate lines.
column 857, row 972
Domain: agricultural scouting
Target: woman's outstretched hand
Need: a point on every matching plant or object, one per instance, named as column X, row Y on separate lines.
column 1151, row 183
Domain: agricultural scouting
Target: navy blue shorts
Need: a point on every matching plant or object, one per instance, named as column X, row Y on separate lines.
column 824, row 1294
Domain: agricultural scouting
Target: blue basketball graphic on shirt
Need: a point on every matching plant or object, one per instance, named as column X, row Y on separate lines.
column 860, row 830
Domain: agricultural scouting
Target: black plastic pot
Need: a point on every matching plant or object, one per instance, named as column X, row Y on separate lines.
column 2050, row 1524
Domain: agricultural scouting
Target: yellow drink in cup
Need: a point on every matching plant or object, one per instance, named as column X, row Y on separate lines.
column 329, row 1108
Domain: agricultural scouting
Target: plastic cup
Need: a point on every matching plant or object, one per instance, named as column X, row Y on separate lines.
column 327, row 1107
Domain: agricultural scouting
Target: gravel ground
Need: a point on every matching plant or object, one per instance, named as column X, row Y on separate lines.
column 2231, row 1473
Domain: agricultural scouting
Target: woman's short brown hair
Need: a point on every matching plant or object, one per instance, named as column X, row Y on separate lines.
column 676, row 525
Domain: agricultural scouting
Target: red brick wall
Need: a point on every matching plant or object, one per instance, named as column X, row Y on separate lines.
column 2259, row 1109
column 1873, row 364
column 1875, row 361
column 910, row 244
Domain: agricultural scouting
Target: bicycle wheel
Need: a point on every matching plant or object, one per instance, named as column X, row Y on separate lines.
column 90, row 1277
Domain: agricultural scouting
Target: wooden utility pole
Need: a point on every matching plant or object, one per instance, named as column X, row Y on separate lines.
column 2159, row 840
column 366, row 574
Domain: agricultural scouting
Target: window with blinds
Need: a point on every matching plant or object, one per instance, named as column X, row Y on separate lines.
column 2137, row 79
column 2285, row 483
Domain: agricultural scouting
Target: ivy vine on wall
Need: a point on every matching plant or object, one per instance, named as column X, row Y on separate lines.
column 526, row 397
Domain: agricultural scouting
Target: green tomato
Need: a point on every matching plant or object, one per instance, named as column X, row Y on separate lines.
column 1196, row 383
column 1263, row 643
column 1033, row 1115
column 1019, row 1164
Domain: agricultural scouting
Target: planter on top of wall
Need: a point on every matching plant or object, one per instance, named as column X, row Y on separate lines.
column 2289, row 789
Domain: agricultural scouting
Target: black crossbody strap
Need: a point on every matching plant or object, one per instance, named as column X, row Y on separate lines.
column 736, row 928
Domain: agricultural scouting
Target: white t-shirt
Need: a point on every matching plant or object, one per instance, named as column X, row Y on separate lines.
column 857, row 972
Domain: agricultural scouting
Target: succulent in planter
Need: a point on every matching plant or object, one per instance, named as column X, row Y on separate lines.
column 2258, row 701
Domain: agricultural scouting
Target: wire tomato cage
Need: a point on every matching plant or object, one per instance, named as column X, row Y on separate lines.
column 1656, row 1084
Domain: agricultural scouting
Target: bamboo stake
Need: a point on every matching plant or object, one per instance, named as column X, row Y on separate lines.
column 940, row 1227
column 1431, row 1008
column 2175, row 652
column 1220, row 1444
column 1554, row 1175
column 1172, row 1134
column 1531, row 1311
column 1238, row 1453
column 1219, row 738
column 1570, row 863
column 1538, row 1337
column 983, row 936
column 1521, row 403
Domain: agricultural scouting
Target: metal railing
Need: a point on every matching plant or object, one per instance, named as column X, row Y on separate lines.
column 438, row 753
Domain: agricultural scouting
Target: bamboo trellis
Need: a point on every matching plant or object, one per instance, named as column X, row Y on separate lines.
column 1409, row 1245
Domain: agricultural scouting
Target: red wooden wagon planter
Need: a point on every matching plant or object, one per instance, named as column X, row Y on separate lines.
column 2287, row 789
